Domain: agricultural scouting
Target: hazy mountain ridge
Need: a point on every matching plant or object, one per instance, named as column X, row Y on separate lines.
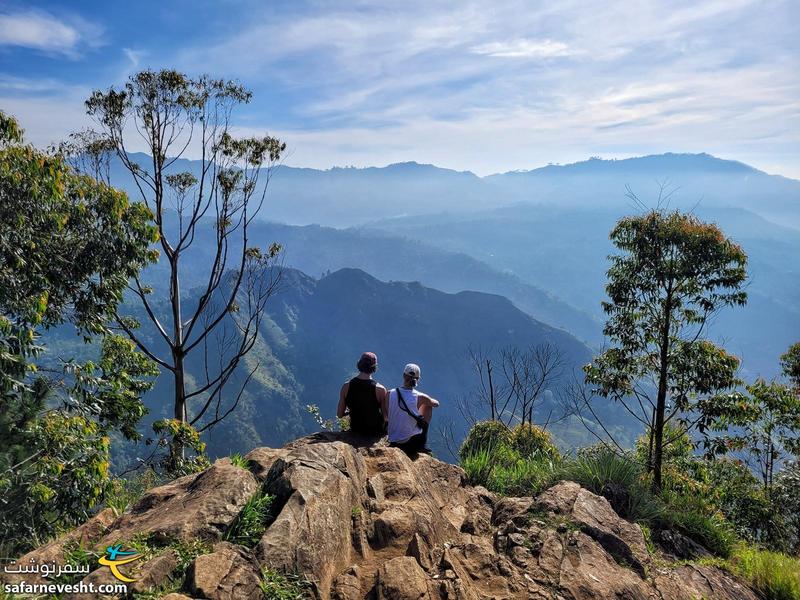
column 344, row 197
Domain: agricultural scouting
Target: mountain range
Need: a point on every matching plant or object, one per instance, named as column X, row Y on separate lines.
column 512, row 258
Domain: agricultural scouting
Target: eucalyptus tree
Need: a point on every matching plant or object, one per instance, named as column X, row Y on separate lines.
column 671, row 274
column 174, row 115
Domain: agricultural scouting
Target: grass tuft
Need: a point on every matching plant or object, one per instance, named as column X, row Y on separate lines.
column 237, row 460
column 252, row 521
column 773, row 575
column 279, row 586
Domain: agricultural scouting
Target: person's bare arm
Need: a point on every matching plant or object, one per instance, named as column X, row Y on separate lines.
column 383, row 400
column 340, row 410
column 425, row 400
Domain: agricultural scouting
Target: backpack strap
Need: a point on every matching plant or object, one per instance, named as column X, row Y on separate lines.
column 401, row 402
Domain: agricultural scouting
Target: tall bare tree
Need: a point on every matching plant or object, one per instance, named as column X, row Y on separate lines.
column 172, row 114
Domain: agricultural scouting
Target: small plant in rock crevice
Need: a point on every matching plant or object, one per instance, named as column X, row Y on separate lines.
column 280, row 586
column 253, row 520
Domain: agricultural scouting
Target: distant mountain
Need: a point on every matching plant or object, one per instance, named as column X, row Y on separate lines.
column 317, row 250
column 343, row 197
column 318, row 328
column 564, row 250
column 689, row 180
column 544, row 230
column 313, row 334
column 349, row 196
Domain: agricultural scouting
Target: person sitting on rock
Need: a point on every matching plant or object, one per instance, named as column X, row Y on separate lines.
column 364, row 399
column 410, row 412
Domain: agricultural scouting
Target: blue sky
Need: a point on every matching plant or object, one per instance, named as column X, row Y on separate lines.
column 484, row 86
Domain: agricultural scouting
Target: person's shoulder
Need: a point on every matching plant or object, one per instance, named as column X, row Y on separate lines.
column 380, row 386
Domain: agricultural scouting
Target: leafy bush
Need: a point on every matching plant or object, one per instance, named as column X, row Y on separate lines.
column 485, row 435
column 773, row 575
column 174, row 433
column 251, row 523
column 529, row 440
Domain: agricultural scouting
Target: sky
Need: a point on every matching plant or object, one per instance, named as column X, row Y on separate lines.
column 481, row 86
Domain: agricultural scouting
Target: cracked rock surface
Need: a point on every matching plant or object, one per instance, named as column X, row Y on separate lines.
column 366, row 522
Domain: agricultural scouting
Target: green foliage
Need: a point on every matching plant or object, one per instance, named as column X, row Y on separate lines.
column 485, row 435
column 280, row 586
column 111, row 390
column 764, row 423
column 504, row 471
column 699, row 522
column 786, row 497
column 602, row 471
column 70, row 243
column 64, row 477
column 530, row 440
column 191, row 458
column 677, row 445
column 253, row 520
column 337, row 424
column 122, row 493
column 78, row 555
column 673, row 271
column 68, row 246
column 773, row 575
column 790, row 364
column 237, row 460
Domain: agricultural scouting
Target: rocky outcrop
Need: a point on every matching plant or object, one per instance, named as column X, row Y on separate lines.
column 367, row 522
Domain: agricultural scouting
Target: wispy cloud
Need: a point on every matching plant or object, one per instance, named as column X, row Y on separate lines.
column 489, row 89
column 39, row 30
column 523, row 49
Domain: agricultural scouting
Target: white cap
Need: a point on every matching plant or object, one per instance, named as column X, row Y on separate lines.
column 411, row 369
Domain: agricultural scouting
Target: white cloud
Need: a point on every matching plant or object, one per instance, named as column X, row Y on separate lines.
column 459, row 85
column 39, row 30
column 523, row 49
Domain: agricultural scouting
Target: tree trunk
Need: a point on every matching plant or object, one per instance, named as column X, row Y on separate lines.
column 661, row 400
column 491, row 389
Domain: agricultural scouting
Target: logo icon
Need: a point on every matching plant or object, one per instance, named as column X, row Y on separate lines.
column 112, row 561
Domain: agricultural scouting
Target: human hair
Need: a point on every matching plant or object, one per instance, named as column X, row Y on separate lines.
column 364, row 366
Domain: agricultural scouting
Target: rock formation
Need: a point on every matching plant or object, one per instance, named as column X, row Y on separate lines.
column 366, row 522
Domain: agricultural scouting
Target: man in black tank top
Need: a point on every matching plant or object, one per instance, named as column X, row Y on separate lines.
column 364, row 399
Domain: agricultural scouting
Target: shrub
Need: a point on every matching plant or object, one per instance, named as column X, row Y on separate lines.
column 529, row 440
column 774, row 576
column 786, row 496
column 477, row 465
column 602, row 467
column 485, row 435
